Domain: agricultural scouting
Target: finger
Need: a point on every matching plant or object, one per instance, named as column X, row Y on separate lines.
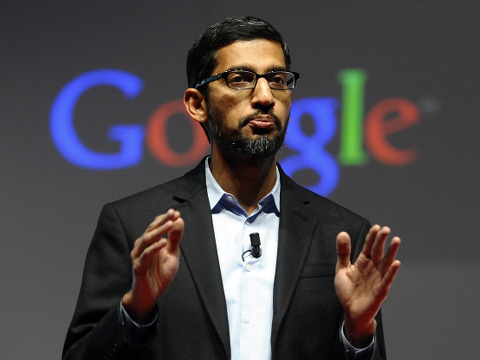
column 343, row 250
column 378, row 246
column 391, row 254
column 175, row 234
column 172, row 214
column 372, row 233
column 147, row 239
column 142, row 262
column 387, row 280
column 155, row 231
column 162, row 219
column 158, row 221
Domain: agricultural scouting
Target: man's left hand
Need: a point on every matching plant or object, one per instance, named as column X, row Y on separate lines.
column 363, row 286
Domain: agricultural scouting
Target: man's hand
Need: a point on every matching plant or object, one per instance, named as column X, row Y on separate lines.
column 155, row 262
column 363, row 286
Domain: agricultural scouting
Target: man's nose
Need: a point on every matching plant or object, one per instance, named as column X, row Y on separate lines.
column 262, row 94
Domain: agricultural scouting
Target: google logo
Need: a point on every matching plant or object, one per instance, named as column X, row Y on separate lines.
column 355, row 132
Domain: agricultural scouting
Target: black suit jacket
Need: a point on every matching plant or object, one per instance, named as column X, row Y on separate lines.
column 192, row 314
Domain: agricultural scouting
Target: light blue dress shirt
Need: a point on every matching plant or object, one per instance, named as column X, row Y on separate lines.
column 248, row 283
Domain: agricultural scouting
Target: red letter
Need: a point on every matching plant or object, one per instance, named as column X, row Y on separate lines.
column 401, row 114
column 158, row 142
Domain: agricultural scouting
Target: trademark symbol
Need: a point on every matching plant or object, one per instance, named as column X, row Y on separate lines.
column 429, row 105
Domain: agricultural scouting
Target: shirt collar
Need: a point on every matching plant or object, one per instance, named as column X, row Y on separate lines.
column 215, row 192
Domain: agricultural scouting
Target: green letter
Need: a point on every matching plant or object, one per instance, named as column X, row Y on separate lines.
column 351, row 131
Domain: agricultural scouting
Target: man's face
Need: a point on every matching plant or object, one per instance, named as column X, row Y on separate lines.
column 253, row 122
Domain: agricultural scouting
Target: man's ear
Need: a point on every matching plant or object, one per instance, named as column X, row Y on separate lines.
column 195, row 104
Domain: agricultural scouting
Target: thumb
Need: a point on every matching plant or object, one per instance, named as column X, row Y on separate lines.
column 343, row 250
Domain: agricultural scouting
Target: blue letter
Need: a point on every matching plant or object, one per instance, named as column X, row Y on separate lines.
column 65, row 137
column 311, row 148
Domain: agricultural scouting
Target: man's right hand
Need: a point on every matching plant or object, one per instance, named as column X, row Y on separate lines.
column 155, row 258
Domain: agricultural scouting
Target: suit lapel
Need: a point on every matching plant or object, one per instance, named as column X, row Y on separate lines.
column 295, row 236
column 200, row 252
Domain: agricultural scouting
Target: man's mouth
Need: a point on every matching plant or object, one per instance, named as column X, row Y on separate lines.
column 263, row 122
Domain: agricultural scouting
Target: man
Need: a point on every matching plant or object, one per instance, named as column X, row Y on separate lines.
column 198, row 285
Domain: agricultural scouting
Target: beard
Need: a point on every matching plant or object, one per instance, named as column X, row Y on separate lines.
column 259, row 146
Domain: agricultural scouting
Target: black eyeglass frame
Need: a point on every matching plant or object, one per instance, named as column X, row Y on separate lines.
column 224, row 75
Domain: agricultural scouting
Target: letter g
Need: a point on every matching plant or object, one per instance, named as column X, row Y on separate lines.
column 63, row 132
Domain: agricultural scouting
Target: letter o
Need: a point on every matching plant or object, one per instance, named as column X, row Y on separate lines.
column 158, row 142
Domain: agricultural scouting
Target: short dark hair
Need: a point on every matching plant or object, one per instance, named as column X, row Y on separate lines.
column 202, row 57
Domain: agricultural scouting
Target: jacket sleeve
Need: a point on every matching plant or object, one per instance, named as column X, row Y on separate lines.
column 97, row 330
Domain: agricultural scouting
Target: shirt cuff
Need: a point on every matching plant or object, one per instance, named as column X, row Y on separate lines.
column 137, row 334
column 352, row 352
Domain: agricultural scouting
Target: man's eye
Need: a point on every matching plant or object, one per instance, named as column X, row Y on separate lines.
column 278, row 79
column 237, row 78
column 240, row 78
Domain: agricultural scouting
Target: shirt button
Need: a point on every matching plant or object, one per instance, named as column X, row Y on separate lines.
column 248, row 267
column 230, row 198
column 248, row 320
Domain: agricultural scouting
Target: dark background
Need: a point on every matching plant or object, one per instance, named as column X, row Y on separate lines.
column 425, row 51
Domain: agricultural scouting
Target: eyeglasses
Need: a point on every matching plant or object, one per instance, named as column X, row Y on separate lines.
column 245, row 79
